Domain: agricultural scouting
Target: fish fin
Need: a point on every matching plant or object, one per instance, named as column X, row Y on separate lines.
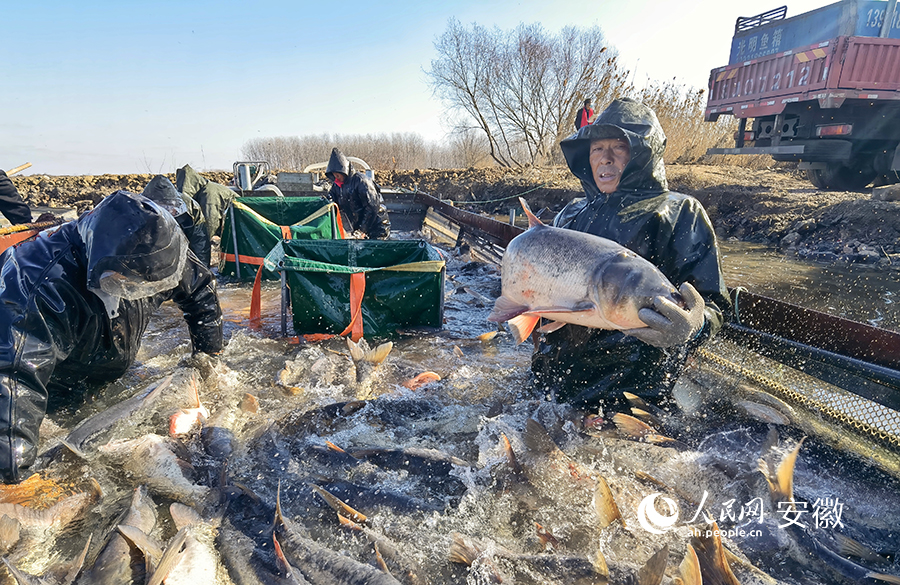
column 379, row 354
column 635, row 400
column 552, row 326
column 647, row 417
column 600, row 564
column 523, row 325
column 348, row 523
column 546, row 538
column 689, row 569
column 533, row 220
column 338, row 505
column 19, row 575
column 463, row 550
column 632, row 427
column 786, row 472
column 505, row 309
column 184, row 515
column 357, row 351
column 605, row 504
column 711, row 555
column 152, row 550
column 509, row 454
column 487, row 336
column 169, row 558
column 422, row 379
column 379, row 560
column 69, row 571
column 849, row 547
column 280, row 559
column 884, row 577
column 537, row 439
column 655, row 568
column 71, row 447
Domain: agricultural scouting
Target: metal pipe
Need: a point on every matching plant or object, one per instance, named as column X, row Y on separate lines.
column 237, row 260
column 284, row 303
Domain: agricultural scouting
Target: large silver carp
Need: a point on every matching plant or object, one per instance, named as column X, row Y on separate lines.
column 574, row 277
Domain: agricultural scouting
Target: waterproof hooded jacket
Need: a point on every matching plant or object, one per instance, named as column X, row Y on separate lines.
column 11, row 204
column 671, row 230
column 185, row 210
column 358, row 199
column 213, row 198
column 57, row 333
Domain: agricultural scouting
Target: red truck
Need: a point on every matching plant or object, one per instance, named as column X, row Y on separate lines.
column 821, row 88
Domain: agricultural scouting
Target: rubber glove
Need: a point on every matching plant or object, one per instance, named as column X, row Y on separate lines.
column 667, row 323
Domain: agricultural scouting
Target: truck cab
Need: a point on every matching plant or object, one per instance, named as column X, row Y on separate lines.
column 821, row 88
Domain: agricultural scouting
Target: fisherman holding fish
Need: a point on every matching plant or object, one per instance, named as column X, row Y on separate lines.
column 619, row 159
column 75, row 302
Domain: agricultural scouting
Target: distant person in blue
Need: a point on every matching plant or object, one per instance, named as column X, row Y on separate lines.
column 11, row 204
column 358, row 198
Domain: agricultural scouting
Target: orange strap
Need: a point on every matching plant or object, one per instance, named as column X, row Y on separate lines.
column 340, row 226
column 256, row 299
column 255, row 260
column 357, row 288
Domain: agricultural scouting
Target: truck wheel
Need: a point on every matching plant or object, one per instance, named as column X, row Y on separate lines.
column 840, row 178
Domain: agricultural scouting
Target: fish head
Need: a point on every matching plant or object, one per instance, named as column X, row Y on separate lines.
column 626, row 283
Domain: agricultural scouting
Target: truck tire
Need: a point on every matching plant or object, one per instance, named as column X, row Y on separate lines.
column 840, row 178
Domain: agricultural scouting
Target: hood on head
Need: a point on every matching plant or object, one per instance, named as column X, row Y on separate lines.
column 163, row 192
column 637, row 124
column 338, row 163
column 131, row 236
column 189, row 181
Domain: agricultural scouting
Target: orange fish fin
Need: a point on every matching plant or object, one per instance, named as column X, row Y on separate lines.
column 533, row 220
column 505, row 309
column 523, row 325
column 551, row 326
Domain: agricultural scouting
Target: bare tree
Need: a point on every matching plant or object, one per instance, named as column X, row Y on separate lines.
column 521, row 88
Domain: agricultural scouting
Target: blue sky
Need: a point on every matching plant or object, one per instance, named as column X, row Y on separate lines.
column 145, row 87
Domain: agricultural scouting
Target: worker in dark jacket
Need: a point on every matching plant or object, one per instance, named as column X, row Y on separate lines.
column 619, row 159
column 214, row 198
column 358, row 198
column 75, row 302
column 11, row 204
column 186, row 212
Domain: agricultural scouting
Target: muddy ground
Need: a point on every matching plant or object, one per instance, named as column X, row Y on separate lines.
column 775, row 206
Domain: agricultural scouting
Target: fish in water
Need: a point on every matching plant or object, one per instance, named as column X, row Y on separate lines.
column 118, row 562
column 60, row 574
column 321, row 565
column 574, row 277
column 777, row 466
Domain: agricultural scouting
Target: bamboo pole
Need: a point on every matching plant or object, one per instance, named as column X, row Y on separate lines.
column 12, row 172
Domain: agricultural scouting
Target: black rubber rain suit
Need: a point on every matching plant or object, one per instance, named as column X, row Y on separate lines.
column 212, row 197
column 358, row 199
column 671, row 230
column 186, row 212
column 11, row 204
column 57, row 333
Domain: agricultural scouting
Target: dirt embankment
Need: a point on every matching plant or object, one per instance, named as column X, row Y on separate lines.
column 776, row 206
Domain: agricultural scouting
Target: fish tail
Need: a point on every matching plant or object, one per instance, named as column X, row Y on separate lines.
column 605, row 505
column 689, row 569
column 523, row 325
column 462, row 550
column 655, row 568
column 884, row 577
column 338, row 505
column 533, row 220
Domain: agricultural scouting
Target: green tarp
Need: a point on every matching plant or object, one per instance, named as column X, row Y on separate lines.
column 262, row 222
column 402, row 281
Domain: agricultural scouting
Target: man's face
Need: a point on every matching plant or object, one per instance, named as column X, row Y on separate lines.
column 608, row 158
